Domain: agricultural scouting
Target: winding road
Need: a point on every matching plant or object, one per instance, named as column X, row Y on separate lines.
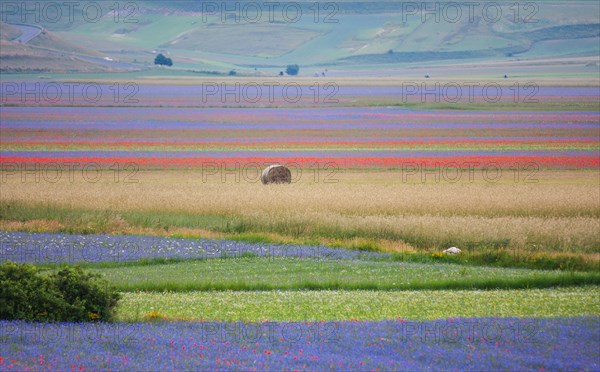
column 28, row 32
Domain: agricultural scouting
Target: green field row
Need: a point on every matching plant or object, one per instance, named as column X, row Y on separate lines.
column 277, row 273
column 360, row 305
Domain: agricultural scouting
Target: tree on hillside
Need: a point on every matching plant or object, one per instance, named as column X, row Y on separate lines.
column 292, row 69
column 162, row 60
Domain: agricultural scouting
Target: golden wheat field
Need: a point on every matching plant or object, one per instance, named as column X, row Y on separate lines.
column 554, row 211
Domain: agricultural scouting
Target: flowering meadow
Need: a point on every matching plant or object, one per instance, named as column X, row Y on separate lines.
column 472, row 344
column 143, row 263
column 158, row 191
column 366, row 138
column 64, row 248
column 265, row 92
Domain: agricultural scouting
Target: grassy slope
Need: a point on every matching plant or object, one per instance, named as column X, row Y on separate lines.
column 8, row 32
column 50, row 40
column 24, row 59
column 47, row 52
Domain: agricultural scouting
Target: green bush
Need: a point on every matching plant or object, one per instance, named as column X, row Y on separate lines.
column 67, row 295
column 292, row 69
column 162, row 60
column 26, row 295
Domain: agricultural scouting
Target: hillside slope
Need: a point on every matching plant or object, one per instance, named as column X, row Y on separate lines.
column 45, row 53
column 9, row 32
column 369, row 34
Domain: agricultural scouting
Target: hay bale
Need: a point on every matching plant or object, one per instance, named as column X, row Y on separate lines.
column 276, row 174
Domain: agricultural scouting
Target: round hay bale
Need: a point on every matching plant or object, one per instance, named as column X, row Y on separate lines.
column 276, row 174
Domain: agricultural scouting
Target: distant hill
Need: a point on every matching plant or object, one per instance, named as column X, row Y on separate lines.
column 527, row 41
column 46, row 52
column 371, row 34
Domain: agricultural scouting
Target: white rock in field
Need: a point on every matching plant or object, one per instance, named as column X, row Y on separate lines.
column 452, row 250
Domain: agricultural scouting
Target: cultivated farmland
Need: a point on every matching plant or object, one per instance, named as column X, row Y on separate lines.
column 403, row 139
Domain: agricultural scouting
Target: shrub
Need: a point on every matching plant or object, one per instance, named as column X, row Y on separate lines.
column 67, row 295
column 292, row 69
column 162, row 60
column 89, row 295
column 26, row 295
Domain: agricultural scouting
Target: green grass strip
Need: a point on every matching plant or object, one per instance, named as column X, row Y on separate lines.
column 276, row 273
column 360, row 305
